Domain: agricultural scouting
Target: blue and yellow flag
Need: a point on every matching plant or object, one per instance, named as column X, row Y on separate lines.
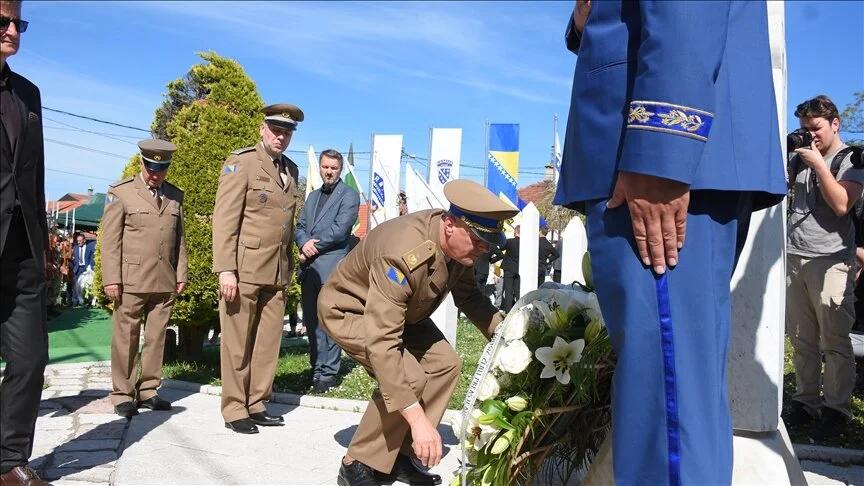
column 503, row 160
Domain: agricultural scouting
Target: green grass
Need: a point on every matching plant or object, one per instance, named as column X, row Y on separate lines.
column 294, row 375
column 854, row 436
column 80, row 334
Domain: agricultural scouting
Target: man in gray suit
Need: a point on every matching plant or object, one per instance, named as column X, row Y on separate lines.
column 322, row 235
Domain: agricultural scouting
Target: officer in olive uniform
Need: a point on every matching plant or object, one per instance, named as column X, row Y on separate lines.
column 253, row 230
column 376, row 305
column 143, row 270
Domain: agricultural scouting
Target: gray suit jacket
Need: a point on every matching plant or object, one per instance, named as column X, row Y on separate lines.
column 332, row 226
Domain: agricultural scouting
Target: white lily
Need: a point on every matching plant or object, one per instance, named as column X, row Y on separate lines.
column 483, row 435
column 559, row 358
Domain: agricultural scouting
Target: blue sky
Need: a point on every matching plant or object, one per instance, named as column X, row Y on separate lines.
column 354, row 68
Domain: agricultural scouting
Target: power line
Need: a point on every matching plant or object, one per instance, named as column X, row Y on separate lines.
column 101, row 134
column 97, row 120
column 79, row 174
column 88, row 149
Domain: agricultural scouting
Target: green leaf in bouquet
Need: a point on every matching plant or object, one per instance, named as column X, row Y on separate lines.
column 493, row 407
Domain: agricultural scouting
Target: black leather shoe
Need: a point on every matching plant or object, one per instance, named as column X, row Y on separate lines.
column 265, row 419
column 155, row 403
column 127, row 409
column 356, row 474
column 406, row 471
column 322, row 386
column 797, row 415
column 832, row 424
column 242, row 426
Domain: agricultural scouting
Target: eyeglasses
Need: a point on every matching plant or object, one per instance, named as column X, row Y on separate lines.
column 20, row 25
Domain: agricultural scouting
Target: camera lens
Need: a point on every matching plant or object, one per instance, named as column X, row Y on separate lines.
column 797, row 139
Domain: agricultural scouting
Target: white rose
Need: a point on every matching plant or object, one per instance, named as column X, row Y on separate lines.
column 517, row 324
column 488, row 388
column 515, row 357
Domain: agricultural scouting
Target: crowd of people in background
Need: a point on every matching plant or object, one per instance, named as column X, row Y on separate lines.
column 70, row 273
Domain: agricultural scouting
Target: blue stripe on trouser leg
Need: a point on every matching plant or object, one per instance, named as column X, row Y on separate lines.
column 668, row 339
column 698, row 297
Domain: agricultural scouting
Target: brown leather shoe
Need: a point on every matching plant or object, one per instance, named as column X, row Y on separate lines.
column 22, row 476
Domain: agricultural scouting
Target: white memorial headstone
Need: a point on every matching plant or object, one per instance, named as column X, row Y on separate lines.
column 529, row 248
column 573, row 250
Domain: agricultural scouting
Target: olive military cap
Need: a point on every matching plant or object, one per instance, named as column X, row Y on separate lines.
column 283, row 115
column 156, row 154
column 481, row 210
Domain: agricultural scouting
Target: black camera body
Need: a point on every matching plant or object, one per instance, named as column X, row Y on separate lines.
column 798, row 139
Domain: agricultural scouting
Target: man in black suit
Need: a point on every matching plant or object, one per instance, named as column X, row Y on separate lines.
column 481, row 269
column 23, row 255
column 510, row 266
column 546, row 254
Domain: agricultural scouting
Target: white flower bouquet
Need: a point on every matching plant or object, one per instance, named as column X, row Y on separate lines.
column 538, row 404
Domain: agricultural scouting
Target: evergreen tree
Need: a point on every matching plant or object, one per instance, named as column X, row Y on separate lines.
column 214, row 109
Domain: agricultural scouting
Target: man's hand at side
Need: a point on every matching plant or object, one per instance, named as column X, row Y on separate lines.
column 309, row 248
column 658, row 210
column 113, row 291
column 228, row 286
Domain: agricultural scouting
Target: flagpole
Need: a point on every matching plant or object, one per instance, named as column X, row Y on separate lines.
column 554, row 132
column 485, row 158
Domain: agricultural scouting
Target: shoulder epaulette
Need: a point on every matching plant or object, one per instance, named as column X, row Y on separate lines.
column 124, row 181
column 420, row 254
column 173, row 187
column 243, row 150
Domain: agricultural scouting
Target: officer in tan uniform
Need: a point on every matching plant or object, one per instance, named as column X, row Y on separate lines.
column 376, row 305
column 253, row 230
column 143, row 270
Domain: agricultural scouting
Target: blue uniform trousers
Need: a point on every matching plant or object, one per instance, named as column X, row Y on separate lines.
column 670, row 412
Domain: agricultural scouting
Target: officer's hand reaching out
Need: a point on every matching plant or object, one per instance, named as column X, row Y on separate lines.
column 427, row 441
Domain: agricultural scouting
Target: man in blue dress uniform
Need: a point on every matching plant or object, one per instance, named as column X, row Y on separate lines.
column 672, row 141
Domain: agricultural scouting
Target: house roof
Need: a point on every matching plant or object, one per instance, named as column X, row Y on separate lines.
column 533, row 192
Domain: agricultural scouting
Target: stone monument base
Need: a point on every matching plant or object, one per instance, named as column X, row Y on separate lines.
column 760, row 458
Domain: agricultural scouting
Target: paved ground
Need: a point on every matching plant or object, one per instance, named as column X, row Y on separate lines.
column 79, row 441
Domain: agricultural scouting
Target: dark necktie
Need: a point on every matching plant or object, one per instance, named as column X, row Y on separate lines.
column 155, row 192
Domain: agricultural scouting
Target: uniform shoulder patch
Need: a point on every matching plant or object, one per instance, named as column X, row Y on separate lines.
column 110, row 198
column 419, row 254
column 397, row 276
column 229, row 168
column 124, row 181
column 242, row 150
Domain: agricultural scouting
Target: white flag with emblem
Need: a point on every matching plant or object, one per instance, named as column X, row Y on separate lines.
column 384, row 178
column 445, row 153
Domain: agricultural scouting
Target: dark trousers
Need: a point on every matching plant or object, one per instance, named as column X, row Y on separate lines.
column 511, row 290
column 670, row 412
column 324, row 353
column 23, row 345
column 556, row 276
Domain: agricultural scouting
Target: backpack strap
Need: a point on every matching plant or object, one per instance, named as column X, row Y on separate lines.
column 838, row 160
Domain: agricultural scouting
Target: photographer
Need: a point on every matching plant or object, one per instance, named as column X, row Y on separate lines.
column 821, row 266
